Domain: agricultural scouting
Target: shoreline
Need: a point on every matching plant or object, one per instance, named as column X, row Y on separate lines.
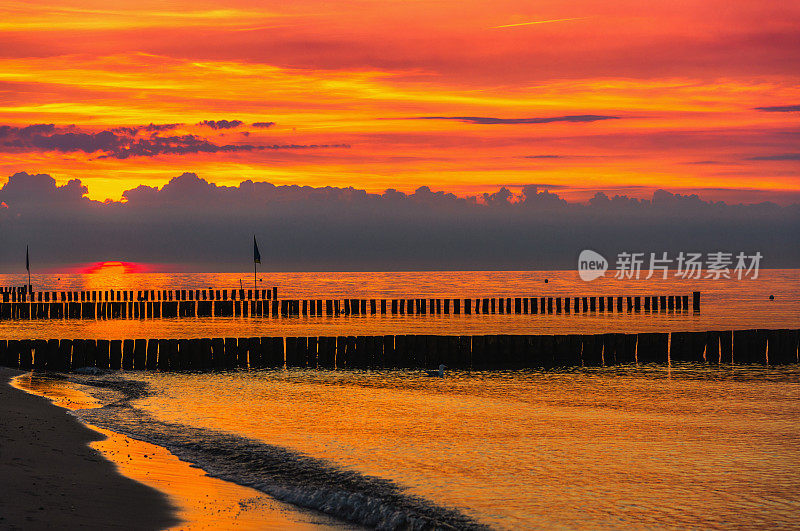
column 193, row 500
column 51, row 476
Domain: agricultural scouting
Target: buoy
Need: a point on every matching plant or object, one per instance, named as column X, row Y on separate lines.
column 546, row 281
column 772, row 297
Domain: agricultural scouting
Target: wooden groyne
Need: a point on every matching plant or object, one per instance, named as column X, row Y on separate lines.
column 480, row 352
column 153, row 304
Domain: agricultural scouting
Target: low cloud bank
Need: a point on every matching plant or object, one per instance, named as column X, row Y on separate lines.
column 205, row 226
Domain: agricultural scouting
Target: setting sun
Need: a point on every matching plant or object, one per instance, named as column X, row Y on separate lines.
column 112, row 267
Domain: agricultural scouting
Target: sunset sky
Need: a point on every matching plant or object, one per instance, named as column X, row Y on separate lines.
column 463, row 96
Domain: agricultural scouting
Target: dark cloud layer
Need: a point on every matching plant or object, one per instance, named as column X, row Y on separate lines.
column 125, row 142
column 262, row 125
column 221, row 124
column 546, row 120
column 150, row 128
column 780, row 108
column 205, row 226
column 779, row 156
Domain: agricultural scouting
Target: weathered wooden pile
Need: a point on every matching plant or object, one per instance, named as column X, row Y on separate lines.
column 480, row 352
column 150, row 304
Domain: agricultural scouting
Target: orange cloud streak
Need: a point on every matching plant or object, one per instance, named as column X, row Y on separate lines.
column 683, row 90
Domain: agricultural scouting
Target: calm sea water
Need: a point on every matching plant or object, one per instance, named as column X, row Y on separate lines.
column 726, row 304
column 622, row 447
column 686, row 447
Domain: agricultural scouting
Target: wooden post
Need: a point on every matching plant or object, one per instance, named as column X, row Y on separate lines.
column 115, row 354
column 139, row 353
column 127, row 354
column 102, row 354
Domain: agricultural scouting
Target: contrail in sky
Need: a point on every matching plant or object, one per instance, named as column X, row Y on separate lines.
column 538, row 22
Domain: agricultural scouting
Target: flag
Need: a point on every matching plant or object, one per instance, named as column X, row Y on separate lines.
column 27, row 260
column 256, row 254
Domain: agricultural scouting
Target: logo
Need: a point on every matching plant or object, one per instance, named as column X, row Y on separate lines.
column 591, row 265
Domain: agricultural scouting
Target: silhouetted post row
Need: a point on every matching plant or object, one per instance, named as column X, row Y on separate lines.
column 211, row 302
column 478, row 352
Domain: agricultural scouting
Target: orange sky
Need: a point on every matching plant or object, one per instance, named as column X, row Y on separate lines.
column 620, row 96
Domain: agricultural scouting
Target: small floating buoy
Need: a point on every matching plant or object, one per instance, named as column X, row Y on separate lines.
column 546, row 281
column 772, row 297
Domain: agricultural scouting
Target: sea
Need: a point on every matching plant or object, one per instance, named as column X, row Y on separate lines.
column 668, row 447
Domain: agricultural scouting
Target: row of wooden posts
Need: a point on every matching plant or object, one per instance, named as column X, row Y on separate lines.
column 774, row 347
column 332, row 307
column 16, row 294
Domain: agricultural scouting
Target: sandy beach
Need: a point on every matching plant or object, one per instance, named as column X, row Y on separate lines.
column 51, row 478
column 59, row 473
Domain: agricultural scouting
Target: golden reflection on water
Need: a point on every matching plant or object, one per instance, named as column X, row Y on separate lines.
column 58, row 391
column 726, row 304
column 588, row 449
column 203, row 502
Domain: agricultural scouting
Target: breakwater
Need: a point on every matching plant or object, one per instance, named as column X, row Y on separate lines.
column 479, row 352
column 153, row 304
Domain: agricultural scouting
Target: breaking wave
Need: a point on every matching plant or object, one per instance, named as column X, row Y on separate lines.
column 282, row 473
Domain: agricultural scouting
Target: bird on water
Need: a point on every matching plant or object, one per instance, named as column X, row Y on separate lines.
column 439, row 373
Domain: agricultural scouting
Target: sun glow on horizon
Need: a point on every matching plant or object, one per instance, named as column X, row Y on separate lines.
column 112, row 268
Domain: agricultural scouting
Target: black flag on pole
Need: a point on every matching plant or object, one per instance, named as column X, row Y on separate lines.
column 256, row 254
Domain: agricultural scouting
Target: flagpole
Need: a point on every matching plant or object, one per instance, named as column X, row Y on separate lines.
column 256, row 261
column 28, row 267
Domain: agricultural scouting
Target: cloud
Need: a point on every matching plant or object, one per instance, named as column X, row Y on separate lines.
column 543, row 157
column 189, row 144
column 546, row 120
column 125, row 142
column 221, row 124
column 780, row 156
column 206, row 226
column 262, row 125
column 48, row 137
column 780, row 108
column 150, row 128
column 546, row 186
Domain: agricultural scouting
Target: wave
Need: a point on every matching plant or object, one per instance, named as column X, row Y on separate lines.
column 282, row 473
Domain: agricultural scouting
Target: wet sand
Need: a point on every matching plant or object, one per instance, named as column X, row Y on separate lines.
column 197, row 500
column 52, row 478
